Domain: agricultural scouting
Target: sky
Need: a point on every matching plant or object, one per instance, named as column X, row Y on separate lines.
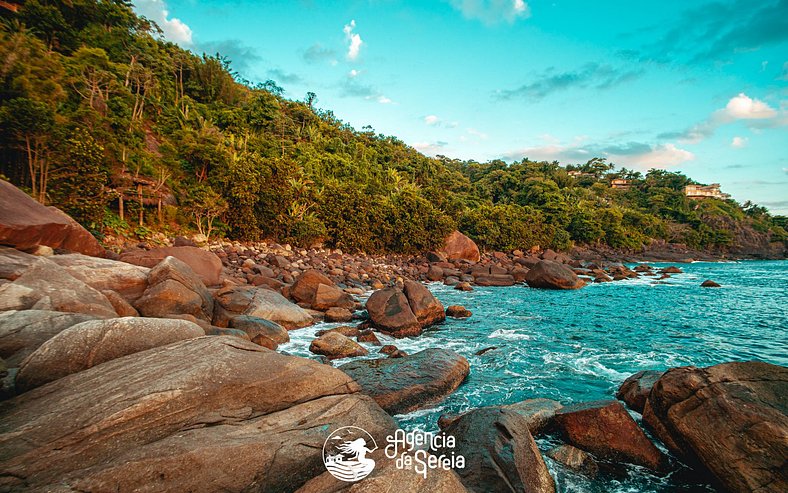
column 696, row 87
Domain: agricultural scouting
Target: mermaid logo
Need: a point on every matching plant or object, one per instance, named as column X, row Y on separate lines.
column 345, row 453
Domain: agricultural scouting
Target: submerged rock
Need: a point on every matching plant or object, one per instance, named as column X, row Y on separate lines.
column 500, row 453
column 402, row 385
column 551, row 275
column 708, row 283
column 458, row 311
column 730, row 420
column 575, row 459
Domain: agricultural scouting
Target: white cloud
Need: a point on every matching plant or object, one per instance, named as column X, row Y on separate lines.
column 661, row 156
column 173, row 28
column 353, row 73
column 431, row 148
column 476, row 133
column 384, row 100
column 431, row 120
column 739, row 142
column 492, row 11
column 353, row 39
column 742, row 107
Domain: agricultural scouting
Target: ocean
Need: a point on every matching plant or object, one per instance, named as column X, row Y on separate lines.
column 574, row 346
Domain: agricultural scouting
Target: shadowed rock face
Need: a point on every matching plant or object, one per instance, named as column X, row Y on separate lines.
column 24, row 223
column 174, row 289
column 402, row 385
column 389, row 311
column 22, row 332
column 172, row 419
column 730, row 420
column 426, row 307
column 500, row 453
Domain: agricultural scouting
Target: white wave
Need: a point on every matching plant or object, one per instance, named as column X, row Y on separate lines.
column 510, row 334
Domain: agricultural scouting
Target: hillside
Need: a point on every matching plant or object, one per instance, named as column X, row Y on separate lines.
column 132, row 135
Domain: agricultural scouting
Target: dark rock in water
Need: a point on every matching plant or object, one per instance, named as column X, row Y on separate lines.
column 457, row 246
column 485, row 350
column 22, row 332
column 606, row 429
column 636, row 388
column 708, row 283
column 334, row 345
column 336, row 314
column 25, row 224
column 575, row 459
column 255, row 326
column 91, row 343
column 398, row 354
column 388, row 349
column 730, row 420
column 463, row 286
column 552, row 275
column 345, row 330
column 458, row 311
column 205, row 264
column 169, row 418
column 425, row 306
column 500, row 453
column 500, row 280
column 402, row 385
column 671, row 270
column 390, row 312
column 368, row 336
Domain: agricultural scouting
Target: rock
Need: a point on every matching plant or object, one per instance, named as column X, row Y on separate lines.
column 180, row 241
column 25, row 224
column 485, row 350
column 500, row 453
column 262, row 303
column 265, row 342
column 388, row 349
column 170, row 419
column 434, row 273
column 402, row 385
column 336, row 314
column 538, row 413
column 435, row 257
column 254, row 326
column 91, row 343
column 14, row 263
column 500, row 280
column 463, row 286
column 305, row 286
column 606, row 429
column 368, row 336
column 457, row 246
column 729, row 420
column 636, row 388
column 47, row 286
column 334, row 345
column 708, row 283
column 122, row 307
column 551, row 275
column 398, row 354
column 671, row 270
column 575, row 459
column 221, row 331
column 332, row 297
column 424, row 305
column 457, row 311
column 386, row 476
column 22, row 332
column 8, row 384
column 129, row 281
column 390, row 312
column 175, row 289
column 205, row 264
column 345, row 330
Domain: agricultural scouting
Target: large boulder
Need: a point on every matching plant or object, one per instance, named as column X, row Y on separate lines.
column 305, row 286
column 500, row 453
column 387, row 477
column 174, row 289
column 538, row 414
column 205, row 414
column 24, row 224
column 457, row 246
column 327, row 297
column 402, row 385
column 205, row 264
column 47, row 286
column 22, row 332
column 334, row 345
column 636, row 388
column 129, row 281
column 551, row 275
column 91, row 343
column 426, row 307
column 606, row 429
column 255, row 326
column 390, row 312
column 14, row 263
column 730, row 420
column 258, row 302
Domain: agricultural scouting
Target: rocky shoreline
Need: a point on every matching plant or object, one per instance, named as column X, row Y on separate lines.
column 158, row 370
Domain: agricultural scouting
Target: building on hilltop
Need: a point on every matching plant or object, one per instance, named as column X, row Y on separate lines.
column 621, row 184
column 705, row 191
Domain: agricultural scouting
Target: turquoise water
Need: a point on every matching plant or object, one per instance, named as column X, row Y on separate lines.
column 580, row 345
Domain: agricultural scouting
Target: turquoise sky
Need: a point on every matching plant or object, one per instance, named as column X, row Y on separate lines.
column 700, row 89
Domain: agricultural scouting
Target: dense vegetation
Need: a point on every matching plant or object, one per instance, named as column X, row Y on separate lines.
column 131, row 134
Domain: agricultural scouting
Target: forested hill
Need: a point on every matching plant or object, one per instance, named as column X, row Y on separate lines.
column 131, row 134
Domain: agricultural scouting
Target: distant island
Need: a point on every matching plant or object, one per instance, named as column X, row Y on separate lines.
column 132, row 136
